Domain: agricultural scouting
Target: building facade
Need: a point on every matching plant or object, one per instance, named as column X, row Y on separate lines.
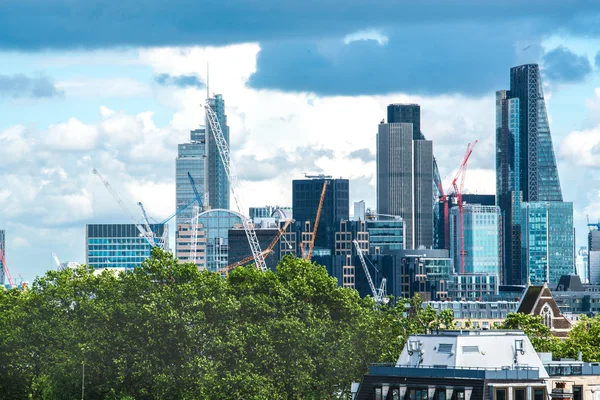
column 581, row 264
column 404, row 181
column 306, row 194
column 117, row 245
column 473, row 286
column 428, row 273
column 594, row 254
column 216, row 177
column 191, row 248
column 477, row 314
column 191, row 157
column 547, row 241
column 271, row 212
column 386, row 234
column 216, row 224
column 360, row 211
column 239, row 249
column 525, row 163
column 481, row 239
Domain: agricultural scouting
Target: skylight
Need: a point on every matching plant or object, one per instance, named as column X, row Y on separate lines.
column 470, row 349
column 444, row 348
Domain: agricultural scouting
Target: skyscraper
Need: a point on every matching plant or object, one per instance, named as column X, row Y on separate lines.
column 593, row 267
column 216, row 178
column 404, row 181
column 306, row 194
column 525, row 162
column 191, row 157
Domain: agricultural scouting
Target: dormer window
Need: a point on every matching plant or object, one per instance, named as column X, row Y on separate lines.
column 444, row 348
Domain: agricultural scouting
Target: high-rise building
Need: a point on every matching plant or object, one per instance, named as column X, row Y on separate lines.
column 3, row 250
column 186, row 241
column 271, row 211
column 117, row 245
column 404, row 181
column 239, row 248
column 406, row 113
column 481, row 239
column 306, row 194
column 217, row 182
column 191, row 157
column 547, row 241
column 581, row 264
column 360, row 211
column 594, row 255
column 525, row 162
column 386, row 234
column 216, row 225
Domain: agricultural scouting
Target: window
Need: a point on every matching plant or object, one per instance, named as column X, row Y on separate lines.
column 378, row 394
column 539, row 394
column 500, row 394
column 519, row 394
column 444, row 348
column 577, row 393
column 547, row 316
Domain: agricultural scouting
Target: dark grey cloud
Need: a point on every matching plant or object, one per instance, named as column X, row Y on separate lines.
column 562, row 65
column 101, row 24
column 362, row 154
column 181, row 81
column 22, row 86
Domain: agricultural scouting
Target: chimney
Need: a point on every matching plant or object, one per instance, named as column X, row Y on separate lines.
column 560, row 392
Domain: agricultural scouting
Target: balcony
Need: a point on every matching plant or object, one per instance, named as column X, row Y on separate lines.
column 439, row 372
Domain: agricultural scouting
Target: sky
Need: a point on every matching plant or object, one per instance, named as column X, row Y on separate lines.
column 116, row 86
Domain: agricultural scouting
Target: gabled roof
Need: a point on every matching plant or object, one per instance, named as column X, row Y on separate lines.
column 529, row 300
column 570, row 283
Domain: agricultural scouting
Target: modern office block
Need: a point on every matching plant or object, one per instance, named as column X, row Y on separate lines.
column 191, row 157
column 525, row 163
column 404, row 181
column 271, row 212
column 581, row 264
column 547, row 241
column 190, row 247
column 425, row 272
column 593, row 267
column 386, row 234
column 359, row 211
column 473, row 286
column 216, row 178
column 216, row 224
column 239, row 249
column 117, row 245
column 481, row 239
column 306, row 194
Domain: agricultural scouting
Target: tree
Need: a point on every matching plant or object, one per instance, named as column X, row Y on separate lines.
column 539, row 334
column 584, row 337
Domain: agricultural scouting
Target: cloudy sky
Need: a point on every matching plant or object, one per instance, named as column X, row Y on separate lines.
column 116, row 85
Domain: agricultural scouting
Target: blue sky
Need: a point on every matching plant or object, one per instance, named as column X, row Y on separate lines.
column 116, row 86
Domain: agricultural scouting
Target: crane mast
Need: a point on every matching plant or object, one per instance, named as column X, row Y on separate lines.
column 225, row 155
column 317, row 218
column 378, row 294
column 6, row 270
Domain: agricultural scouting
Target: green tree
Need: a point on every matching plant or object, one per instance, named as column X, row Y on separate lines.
column 539, row 334
column 584, row 337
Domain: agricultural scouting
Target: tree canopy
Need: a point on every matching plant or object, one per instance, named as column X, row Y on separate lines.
column 166, row 330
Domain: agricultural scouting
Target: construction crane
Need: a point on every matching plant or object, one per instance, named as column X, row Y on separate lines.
column 225, row 155
column 371, row 215
column 379, row 293
column 458, row 184
column 266, row 252
column 160, row 242
column 317, row 218
column 57, row 261
column 194, row 227
column 149, row 236
column 6, row 270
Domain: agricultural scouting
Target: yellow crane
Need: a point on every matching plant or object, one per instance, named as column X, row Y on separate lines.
column 318, row 217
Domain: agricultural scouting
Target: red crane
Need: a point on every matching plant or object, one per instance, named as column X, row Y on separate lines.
column 5, row 266
column 458, row 184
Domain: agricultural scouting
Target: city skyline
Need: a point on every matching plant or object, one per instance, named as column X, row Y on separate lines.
column 124, row 110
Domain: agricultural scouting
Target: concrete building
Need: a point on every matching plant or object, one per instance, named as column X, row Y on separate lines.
column 425, row 272
column 481, row 239
column 476, row 314
column 547, row 239
column 525, row 163
column 185, row 241
column 404, row 181
column 472, row 286
column 459, row 365
column 216, row 178
column 191, row 157
column 117, row 245
column 581, row 379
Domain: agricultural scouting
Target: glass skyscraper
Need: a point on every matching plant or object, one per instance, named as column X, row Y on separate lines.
column 191, row 157
column 117, row 245
column 386, row 234
column 525, row 163
column 216, row 224
column 481, row 234
column 547, row 241
column 216, row 178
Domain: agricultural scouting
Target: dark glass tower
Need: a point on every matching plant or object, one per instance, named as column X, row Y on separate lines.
column 525, row 162
column 218, row 184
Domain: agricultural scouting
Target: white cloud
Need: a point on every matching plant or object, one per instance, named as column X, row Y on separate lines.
column 368, row 34
column 14, row 145
column 582, row 147
column 72, row 135
column 20, row 242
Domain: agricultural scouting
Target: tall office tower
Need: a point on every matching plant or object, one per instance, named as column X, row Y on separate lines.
column 117, row 245
column 407, row 113
column 593, row 267
column 481, row 234
column 306, row 194
column 547, row 241
column 404, row 181
column 217, row 182
column 581, row 264
column 3, row 250
column 525, row 162
column 191, row 157
column 360, row 211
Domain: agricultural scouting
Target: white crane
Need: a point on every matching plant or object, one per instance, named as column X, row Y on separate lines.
column 158, row 241
column 378, row 294
column 149, row 236
column 194, row 226
column 56, row 260
column 225, row 154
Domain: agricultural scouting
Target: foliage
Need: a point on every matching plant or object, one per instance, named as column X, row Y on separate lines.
column 584, row 338
column 539, row 334
column 166, row 330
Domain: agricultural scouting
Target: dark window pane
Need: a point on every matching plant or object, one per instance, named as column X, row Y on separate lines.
column 577, row 393
column 500, row 394
column 519, row 394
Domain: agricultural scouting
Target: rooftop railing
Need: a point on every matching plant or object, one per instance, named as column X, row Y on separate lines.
column 441, row 371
